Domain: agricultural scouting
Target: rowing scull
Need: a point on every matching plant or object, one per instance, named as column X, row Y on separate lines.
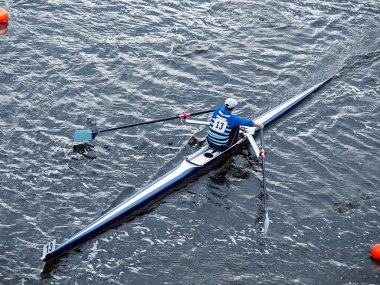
column 192, row 164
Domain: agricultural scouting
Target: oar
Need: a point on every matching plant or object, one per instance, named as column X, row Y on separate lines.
column 86, row 135
column 262, row 154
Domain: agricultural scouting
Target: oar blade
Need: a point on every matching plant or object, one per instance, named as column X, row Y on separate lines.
column 85, row 135
column 266, row 221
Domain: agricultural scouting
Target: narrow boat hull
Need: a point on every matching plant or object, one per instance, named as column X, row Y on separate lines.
column 192, row 164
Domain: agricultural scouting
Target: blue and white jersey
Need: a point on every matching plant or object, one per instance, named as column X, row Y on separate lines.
column 221, row 124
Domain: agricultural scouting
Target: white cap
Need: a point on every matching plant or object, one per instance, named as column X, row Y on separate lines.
column 230, row 103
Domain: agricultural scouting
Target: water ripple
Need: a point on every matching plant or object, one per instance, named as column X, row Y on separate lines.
column 69, row 65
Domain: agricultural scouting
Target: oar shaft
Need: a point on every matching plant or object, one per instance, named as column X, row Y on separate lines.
column 182, row 116
column 266, row 214
column 264, row 175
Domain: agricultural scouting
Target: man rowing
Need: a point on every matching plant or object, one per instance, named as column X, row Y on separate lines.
column 224, row 126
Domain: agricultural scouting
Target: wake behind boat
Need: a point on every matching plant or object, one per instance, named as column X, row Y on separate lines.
column 190, row 165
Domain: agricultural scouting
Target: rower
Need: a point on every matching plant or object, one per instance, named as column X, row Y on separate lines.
column 224, row 126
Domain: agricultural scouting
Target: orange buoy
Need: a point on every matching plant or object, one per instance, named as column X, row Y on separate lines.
column 3, row 16
column 375, row 251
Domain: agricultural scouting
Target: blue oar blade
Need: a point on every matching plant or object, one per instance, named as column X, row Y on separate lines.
column 85, row 135
column 266, row 221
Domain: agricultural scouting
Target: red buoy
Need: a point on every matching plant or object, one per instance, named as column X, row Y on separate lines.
column 3, row 16
column 375, row 251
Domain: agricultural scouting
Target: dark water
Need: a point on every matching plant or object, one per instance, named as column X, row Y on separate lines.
column 67, row 65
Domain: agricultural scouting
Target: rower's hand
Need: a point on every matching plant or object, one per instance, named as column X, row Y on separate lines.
column 261, row 126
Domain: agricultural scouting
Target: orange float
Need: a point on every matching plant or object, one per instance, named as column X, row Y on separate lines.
column 375, row 251
column 3, row 16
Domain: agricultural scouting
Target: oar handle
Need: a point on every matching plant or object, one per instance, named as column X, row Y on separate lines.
column 188, row 115
column 181, row 116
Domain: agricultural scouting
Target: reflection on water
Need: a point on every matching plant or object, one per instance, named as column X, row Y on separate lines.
column 3, row 28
